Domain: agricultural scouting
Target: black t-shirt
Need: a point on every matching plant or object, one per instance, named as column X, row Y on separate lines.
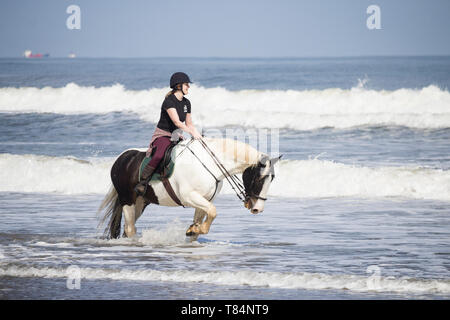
column 183, row 107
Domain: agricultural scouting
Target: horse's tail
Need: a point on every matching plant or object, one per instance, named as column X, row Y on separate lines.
column 112, row 211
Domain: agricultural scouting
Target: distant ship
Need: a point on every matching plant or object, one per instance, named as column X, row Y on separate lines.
column 29, row 54
column 72, row 55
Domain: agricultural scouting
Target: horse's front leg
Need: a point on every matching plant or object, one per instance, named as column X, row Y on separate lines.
column 211, row 215
column 203, row 207
column 198, row 220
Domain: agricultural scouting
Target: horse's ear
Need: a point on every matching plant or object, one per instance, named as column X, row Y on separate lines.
column 274, row 160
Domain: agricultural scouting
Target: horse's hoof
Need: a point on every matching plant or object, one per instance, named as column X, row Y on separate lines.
column 190, row 231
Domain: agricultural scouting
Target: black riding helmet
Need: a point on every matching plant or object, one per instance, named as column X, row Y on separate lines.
column 179, row 77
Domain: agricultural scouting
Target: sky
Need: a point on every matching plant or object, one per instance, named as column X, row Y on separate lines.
column 231, row 28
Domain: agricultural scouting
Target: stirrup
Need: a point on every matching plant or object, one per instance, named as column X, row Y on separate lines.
column 142, row 182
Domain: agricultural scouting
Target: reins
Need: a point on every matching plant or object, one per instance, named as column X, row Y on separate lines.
column 212, row 174
column 233, row 180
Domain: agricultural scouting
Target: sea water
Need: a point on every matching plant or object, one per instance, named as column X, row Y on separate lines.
column 359, row 207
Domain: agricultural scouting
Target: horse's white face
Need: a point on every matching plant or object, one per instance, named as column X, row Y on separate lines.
column 257, row 180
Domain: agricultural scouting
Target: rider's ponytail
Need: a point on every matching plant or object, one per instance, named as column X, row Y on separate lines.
column 177, row 87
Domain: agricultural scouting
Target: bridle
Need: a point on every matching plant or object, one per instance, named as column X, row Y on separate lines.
column 233, row 180
column 250, row 194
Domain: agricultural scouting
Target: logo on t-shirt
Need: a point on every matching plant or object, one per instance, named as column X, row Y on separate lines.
column 185, row 108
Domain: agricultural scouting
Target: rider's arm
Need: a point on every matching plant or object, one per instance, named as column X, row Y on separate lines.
column 190, row 125
column 172, row 112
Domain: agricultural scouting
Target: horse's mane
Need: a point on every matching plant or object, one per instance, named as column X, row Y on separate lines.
column 238, row 150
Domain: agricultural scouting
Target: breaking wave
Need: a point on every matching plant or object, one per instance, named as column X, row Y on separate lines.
column 294, row 178
column 289, row 280
column 428, row 107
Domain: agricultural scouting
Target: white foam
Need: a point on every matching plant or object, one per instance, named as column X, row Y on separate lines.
column 427, row 107
column 288, row 280
column 320, row 178
column 294, row 178
column 46, row 174
column 172, row 234
column 47, row 244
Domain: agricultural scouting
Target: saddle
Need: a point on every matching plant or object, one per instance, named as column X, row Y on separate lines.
column 164, row 168
column 163, row 171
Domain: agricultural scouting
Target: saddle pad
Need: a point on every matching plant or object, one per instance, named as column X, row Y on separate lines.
column 158, row 174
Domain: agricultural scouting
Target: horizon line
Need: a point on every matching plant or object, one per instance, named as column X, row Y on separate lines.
column 231, row 57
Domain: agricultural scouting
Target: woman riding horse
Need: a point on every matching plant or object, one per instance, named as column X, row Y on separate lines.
column 175, row 114
column 197, row 177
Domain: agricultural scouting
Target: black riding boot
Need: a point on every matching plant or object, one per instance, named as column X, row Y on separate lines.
column 141, row 187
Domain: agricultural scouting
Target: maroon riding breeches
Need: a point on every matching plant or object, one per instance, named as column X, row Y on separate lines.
column 161, row 144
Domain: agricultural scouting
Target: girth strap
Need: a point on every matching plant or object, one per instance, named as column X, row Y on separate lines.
column 170, row 191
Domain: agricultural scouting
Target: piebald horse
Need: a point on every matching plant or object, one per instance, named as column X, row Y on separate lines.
column 196, row 180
